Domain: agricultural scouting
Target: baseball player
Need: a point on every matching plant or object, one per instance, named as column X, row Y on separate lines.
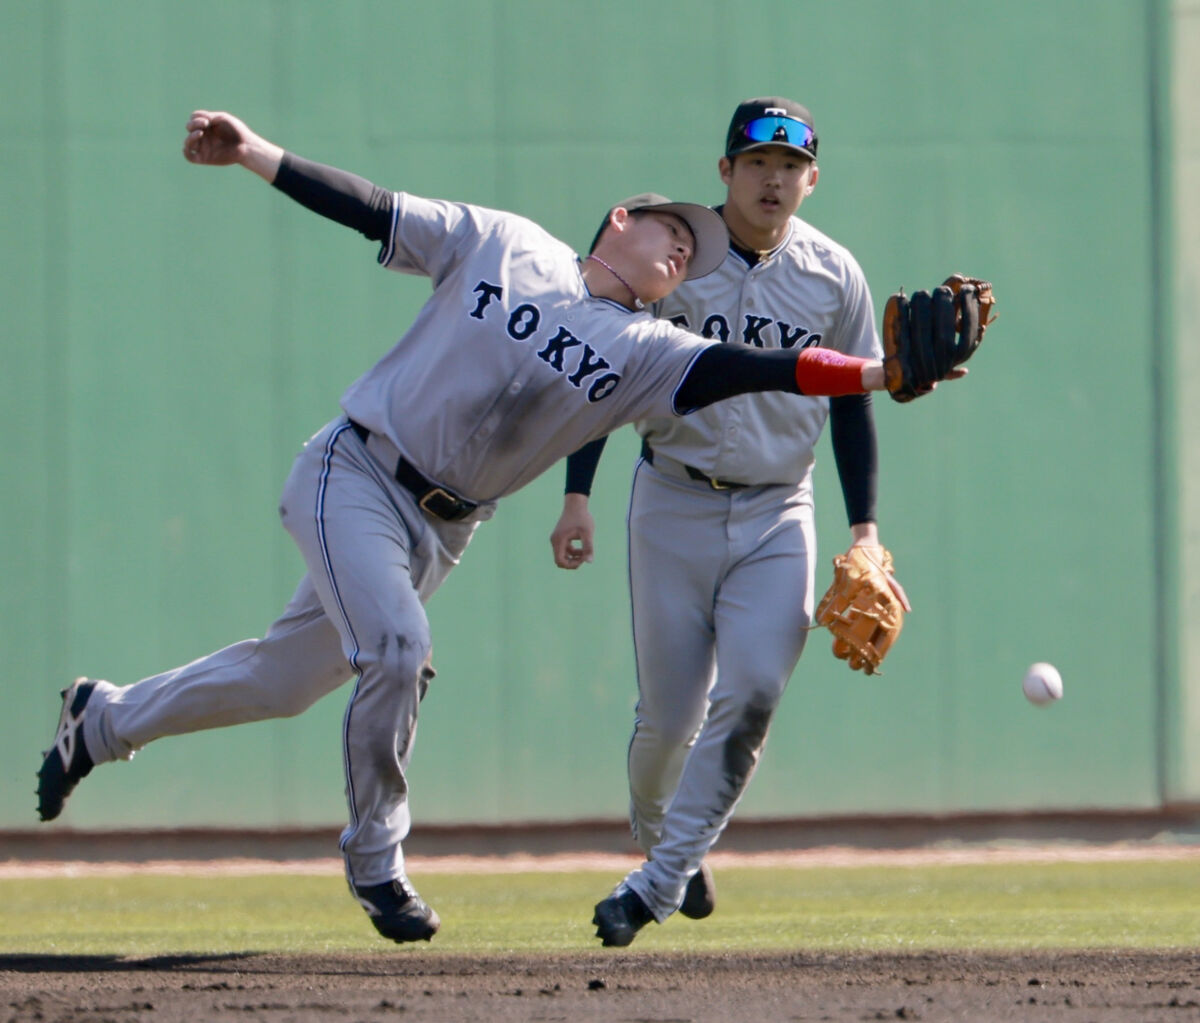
column 522, row 354
column 721, row 538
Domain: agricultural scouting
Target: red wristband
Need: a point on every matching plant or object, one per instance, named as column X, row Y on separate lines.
column 822, row 371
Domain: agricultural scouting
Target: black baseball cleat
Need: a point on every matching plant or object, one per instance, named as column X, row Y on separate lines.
column 67, row 761
column 619, row 917
column 397, row 911
column 700, row 899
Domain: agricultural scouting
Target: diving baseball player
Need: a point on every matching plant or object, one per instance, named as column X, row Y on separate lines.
column 722, row 545
column 522, row 354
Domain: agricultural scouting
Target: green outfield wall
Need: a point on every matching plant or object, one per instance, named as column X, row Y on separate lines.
column 173, row 334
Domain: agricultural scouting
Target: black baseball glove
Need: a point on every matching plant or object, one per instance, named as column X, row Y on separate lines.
column 926, row 337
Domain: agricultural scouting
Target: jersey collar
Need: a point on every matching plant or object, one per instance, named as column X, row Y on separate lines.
column 751, row 257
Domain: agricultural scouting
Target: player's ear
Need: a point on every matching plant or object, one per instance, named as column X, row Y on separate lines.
column 814, row 173
column 725, row 169
column 619, row 218
column 614, row 226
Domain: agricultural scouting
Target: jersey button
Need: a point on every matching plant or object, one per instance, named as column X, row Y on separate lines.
column 515, row 387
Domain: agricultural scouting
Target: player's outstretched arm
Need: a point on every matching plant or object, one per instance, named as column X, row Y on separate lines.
column 218, row 139
column 724, row 370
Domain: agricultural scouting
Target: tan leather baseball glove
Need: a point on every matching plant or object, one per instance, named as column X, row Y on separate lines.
column 864, row 607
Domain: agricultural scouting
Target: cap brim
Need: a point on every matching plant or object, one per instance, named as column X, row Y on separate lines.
column 778, row 145
column 709, row 231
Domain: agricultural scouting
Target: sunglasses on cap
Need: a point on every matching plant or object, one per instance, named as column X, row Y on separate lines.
column 779, row 129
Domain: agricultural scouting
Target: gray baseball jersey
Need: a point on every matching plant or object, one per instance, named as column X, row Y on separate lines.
column 810, row 291
column 512, row 364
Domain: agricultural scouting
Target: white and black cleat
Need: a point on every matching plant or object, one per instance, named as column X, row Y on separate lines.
column 67, row 761
column 397, row 911
column 619, row 917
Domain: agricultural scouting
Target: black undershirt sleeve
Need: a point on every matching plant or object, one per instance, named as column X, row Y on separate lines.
column 581, row 466
column 852, row 432
column 724, row 370
column 720, row 371
column 338, row 195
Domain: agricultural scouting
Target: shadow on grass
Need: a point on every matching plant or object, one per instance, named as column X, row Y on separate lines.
column 384, row 961
column 42, row 963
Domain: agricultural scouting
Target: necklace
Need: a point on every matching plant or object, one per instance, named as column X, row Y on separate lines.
column 760, row 253
column 636, row 301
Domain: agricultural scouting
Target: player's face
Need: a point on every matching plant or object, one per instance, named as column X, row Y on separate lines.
column 765, row 187
column 660, row 247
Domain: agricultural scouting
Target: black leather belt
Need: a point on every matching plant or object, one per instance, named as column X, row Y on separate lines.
column 434, row 499
column 696, row 474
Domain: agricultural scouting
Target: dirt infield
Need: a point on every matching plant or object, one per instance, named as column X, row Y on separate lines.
column 412, row 984
column 422, row 984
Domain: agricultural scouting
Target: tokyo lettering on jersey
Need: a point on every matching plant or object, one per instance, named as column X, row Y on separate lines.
column 808, row 291
column 511, row 364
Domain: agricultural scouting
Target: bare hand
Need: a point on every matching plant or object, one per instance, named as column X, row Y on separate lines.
column 897, row 589
column 572, row 537
column 215, row 139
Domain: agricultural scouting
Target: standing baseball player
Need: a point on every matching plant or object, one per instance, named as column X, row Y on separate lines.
column 721, row 539
column 522, row 354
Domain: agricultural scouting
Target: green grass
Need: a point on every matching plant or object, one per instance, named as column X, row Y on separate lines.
column 1138, row 904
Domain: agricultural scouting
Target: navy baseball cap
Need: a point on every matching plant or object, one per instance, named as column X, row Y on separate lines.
column 706, row 225
column 771, row 121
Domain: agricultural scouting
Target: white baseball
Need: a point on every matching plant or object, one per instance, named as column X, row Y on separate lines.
column 1042, row 684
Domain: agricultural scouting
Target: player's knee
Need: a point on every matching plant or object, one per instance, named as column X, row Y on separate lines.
column 406, row 659
column 746, row 738
column 760, row 704
column 668, row 731
column 746, row 714
column 681, row 735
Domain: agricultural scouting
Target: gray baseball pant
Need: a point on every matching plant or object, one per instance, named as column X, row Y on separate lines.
column 721, row 583
column 373, row 560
